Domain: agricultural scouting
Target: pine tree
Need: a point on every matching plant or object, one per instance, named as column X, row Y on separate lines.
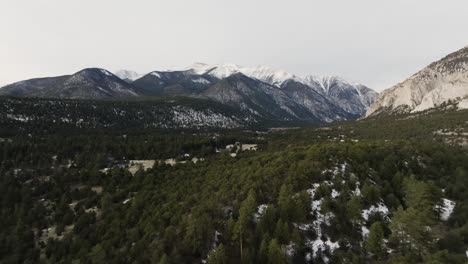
column 164, row 259
column 246, row 211
column 275, row 253
column 282, row 231
column 354, row 208
column 217, row 256
column 375, row 241
column 263, row 251
column 285, row 202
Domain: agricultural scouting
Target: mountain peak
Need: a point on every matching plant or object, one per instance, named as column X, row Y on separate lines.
column 325, row 82
column 128, row 75
column 199, row 68
column 263, row 73
column 95, row 70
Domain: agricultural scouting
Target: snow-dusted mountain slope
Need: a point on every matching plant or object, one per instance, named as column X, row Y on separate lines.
column 353, row 98
column 441, row 81
column 90, row 83
column 128, row 75
column 178, row 113
column 267, row 101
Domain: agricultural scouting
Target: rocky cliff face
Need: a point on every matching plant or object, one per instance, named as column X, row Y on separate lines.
column 441, row 81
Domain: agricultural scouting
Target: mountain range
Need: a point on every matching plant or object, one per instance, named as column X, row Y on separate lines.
column 263, row 92
column 442, row 81
column 92, row 83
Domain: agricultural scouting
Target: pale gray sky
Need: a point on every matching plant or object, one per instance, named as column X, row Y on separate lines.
column 377, row 43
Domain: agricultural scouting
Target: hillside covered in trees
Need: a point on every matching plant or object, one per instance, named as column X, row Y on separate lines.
column 392, row 189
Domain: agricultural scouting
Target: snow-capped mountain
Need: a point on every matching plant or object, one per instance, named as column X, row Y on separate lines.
column 91, row 83
column 262, row 73
column 441, row 81
column 127, row 75
column 353, row 98
column 267, row 101
column 173, row 83
column 263, row 92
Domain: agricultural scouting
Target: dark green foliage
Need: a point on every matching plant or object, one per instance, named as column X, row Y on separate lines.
column 375, row 241
column 208, row 210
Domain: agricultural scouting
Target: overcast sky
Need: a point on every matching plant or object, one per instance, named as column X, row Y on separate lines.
column 377, row 43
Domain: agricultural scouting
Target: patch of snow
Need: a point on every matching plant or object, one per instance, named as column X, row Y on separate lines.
column 261, row 209
column 357, row 191
column 106, row 72
column 446, row 209
column 364, row 231
column 337, row 170
column 225, row 70
column 380, row 208
column 262, row 73
column 335, row 193
column 155, row 74
column 200, row 80
column 20, row 118
column 320, row 245
column 291, row 249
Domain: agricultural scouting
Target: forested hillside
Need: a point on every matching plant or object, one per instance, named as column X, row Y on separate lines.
column 48, row 115
column 392, row 189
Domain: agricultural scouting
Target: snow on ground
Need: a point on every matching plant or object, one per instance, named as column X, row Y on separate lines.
column 261, row 209
column 291, row 249
column 213, row 246
column 364, row 231
column 335, row 193
column 357, row 191
column 50, row 233
column 20, row 118
column 337, row 170
column 380, row 208
column 446, row 209
column 318, row 244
